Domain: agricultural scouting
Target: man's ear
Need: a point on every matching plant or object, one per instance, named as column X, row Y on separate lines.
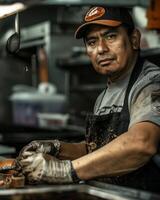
column 135, row 39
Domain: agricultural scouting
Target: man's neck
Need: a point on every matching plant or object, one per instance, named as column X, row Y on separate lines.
column 126, row 72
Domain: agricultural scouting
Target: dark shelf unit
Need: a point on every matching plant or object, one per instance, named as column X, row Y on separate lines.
column 144, row 3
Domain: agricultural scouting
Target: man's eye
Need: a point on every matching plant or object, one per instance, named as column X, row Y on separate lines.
column 110, row 36
column 91, row 42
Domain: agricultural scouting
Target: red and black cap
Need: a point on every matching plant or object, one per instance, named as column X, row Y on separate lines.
column 110, row 16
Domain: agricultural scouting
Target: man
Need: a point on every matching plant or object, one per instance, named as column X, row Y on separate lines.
column 123, row 134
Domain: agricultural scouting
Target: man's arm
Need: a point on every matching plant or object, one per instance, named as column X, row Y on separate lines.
column 56, row 148
column 72, row 151
column 124, row 154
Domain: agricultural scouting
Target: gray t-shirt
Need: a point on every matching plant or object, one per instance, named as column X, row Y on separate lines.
column 144, row 97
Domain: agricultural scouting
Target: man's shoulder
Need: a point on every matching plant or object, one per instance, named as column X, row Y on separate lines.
column 149, row 68
column 150, row 74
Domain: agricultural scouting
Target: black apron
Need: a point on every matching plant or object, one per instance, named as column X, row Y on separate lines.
column 102, row 129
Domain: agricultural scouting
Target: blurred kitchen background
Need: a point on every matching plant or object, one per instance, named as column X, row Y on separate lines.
column 48, row 86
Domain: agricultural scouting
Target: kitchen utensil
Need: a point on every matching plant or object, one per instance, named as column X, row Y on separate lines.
column 13, row 42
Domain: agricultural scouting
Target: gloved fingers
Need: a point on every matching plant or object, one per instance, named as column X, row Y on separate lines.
column 28, row 169
column 40, row 146
column 26, row 162
column 27, row 154
column 34, row 177
column 48, row 146
column 35, row 171
column 32, row 146
column 31, row 159
column 32, row 163
column 40, row 177
column 44, row 148
column 22, row 158
column 40, row 169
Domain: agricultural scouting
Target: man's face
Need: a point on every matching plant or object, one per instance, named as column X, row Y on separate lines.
column 109, row 49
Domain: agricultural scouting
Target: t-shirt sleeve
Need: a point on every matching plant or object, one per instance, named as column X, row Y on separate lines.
column 146, row 105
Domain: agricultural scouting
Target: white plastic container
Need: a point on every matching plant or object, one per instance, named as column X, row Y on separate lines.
column 51, row 120
column 26, row 106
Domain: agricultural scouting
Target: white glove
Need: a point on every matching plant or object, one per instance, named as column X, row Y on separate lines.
column 41, row 168
column 42, row 146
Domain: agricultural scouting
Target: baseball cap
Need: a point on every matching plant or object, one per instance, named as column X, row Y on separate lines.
column 109, row 16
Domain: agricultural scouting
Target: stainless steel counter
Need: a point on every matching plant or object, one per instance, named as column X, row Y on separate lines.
column 90, row 191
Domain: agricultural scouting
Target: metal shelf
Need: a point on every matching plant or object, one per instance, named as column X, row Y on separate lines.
column 150, row 52
column 127, row 3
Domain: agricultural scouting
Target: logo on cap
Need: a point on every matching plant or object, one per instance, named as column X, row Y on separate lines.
column 94, row 13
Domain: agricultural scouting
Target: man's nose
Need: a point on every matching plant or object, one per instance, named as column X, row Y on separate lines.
column 102, row 46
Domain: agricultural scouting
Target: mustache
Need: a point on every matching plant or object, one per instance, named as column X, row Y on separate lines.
column 105, row 57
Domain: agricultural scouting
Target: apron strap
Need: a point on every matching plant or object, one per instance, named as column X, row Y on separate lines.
column 135, row 73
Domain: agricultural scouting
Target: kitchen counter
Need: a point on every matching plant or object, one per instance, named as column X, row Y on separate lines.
column 89, row 191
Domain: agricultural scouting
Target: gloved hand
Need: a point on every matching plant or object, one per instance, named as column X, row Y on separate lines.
column 42, row 146
column 41, row 168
